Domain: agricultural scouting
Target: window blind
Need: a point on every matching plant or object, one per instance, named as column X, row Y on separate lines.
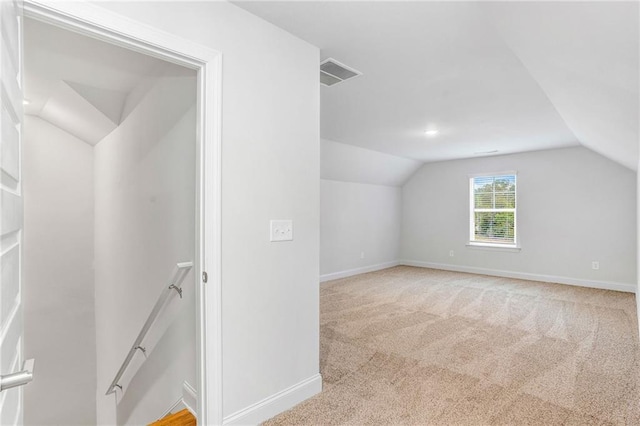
column 493, row 209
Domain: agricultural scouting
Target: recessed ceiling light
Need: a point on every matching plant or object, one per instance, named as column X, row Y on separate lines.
column 432, row 132
column 25, row 102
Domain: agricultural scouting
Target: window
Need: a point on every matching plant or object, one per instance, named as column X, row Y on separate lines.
column 493, row 210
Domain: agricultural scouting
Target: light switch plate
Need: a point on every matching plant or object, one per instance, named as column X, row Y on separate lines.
column 281, row 230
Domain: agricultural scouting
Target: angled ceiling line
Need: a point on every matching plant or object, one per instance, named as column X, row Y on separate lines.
column 510, row 48
column 109, row 102
column 589, row 83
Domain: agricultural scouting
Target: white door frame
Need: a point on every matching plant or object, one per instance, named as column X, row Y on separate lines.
column 96, row 22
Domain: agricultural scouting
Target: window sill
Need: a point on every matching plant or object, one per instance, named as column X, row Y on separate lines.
column 493, row 247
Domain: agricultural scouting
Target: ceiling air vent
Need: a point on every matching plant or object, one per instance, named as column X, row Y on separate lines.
column 333, row 72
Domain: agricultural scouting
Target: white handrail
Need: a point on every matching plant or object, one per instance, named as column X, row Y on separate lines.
column 180, row 272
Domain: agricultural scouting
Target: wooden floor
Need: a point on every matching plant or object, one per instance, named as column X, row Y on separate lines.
column 181, row 418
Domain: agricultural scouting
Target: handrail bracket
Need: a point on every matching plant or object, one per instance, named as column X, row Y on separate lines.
column 178, row 289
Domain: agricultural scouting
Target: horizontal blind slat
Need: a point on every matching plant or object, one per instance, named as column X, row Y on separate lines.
column 494, row 204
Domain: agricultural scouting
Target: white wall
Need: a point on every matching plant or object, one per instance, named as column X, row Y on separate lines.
column 270, row 170
column 574, row 207
column 144, row 225
column 349, row 163
column 58, row 282
column 360, row 204
column 358, row 219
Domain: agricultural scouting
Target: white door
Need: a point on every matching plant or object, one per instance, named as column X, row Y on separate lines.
column 11, row 325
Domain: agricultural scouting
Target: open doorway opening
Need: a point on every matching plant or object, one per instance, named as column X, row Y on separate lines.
column 110, row 190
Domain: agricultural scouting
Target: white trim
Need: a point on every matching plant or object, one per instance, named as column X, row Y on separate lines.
column 277, row 403
column 97, row 22
column 493, row 247
column 356, row 271
column 174, row 408
column 603, row 285
column 638, row 310
column 502, row 173
column 209, row 296
column 188, row 400
column 472, row 209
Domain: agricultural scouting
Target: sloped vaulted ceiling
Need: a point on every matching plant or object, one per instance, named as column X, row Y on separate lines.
column 491, row 76
column 584, row 56
column 81, row 84
column 348, row 163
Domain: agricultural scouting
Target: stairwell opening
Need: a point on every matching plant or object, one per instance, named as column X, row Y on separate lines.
column 109, row 186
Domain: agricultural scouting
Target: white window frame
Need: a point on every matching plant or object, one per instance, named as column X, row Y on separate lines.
column 483, row 244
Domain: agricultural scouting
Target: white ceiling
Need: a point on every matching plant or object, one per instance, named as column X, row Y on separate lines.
column 505, row 76
column 348, row 163
column 80, row 84
column 584, row 56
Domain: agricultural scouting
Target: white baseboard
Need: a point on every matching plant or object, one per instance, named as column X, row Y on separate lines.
column 188, row 400
column 277, row 403
column 604, row 285
column 356, row 271
column 638, row 311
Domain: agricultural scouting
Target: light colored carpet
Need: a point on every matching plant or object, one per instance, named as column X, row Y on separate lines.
column 419, row 346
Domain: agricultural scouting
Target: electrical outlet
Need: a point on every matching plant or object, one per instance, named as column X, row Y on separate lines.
column 281, row 230
column 361, row 255
column 451, row 253
column 595, row 265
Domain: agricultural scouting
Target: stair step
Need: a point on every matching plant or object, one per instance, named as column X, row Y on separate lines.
column 181, row 418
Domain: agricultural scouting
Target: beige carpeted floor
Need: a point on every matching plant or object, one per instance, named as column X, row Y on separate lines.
column 419, row 346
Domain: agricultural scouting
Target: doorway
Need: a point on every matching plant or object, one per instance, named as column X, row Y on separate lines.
column 93, row 21
column 109, row 155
